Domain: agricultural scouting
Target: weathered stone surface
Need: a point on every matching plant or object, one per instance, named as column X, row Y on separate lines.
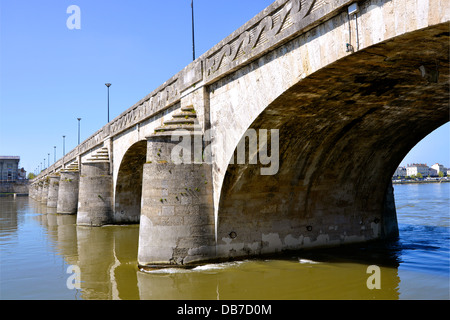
column 177, row 221
column 95, row 195
column 68, row 192
column 44, row 191
column 52, row 200
column 38, row 195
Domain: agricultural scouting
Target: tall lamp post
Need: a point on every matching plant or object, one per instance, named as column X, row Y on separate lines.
column 108, row 85
column 79, row 130
column 64, row 146
column 48, row 159
column 54, row 153
column 193, row 39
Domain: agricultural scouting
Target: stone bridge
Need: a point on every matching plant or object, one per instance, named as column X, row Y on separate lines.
column 283, row 136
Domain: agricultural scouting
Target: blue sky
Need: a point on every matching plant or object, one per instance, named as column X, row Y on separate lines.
column 50, row 75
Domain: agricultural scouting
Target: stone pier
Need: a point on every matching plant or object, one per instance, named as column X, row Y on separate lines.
column 177, row 215
column 53, row 188
column 44, row 192
column 95, row 193
column 68, row 192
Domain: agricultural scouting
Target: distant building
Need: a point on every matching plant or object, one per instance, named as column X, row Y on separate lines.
column 423, row 169
column 9, row 168
column 439, row 168
column 400, row 172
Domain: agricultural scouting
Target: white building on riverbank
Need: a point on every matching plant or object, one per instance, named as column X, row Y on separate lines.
column 439, row 168
column 423, row 169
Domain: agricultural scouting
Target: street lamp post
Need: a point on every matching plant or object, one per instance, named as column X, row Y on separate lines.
column 54, row 153
column 108, row 85
column 79, row 130
column 193, row 39
column 64, row 146
column 48, row 159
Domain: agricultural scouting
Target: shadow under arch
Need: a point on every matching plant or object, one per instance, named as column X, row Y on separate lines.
column 342, row 133
column 128, row 191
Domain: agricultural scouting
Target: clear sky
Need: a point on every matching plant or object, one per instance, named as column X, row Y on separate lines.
column 51, row 75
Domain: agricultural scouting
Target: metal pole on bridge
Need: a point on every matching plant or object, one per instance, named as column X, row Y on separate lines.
column 108, row 85
column 193, row 39
column 78, row 130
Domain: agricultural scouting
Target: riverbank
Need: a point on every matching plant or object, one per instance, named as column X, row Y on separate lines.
column 18, row 187
column 10, row 194
column 419, row 181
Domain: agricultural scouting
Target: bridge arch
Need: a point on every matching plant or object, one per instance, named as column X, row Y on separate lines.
column 128, row 189
column 343, row 130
